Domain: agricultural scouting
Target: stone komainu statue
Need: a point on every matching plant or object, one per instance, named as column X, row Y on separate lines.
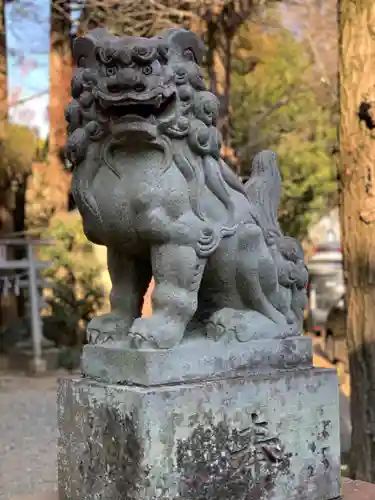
column 150, row 185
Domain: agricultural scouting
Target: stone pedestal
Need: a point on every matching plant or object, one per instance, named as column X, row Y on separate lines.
column 239, row 432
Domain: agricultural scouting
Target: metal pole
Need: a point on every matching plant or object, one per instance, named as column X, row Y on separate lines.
column 36, row 328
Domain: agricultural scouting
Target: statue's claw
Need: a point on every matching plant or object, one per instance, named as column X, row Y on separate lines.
column 135, row 340
column 138, row 341
column 106, row 328
column 156, row 331
column 97, row 337
column 215, row 331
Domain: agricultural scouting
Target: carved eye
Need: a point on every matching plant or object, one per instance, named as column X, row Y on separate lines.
column 111, row 70
column 181, row 72
column 163, row 52
column 185, row 94
column 189, row 55
column 147, row 70
column 181, row 75
column 208, row 108
column 81, row 62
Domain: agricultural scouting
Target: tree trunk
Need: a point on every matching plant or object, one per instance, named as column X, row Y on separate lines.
column 211, row 34
column 19, row 222
column 3, row 69
column 356, row 175
column 8, row 304
column 61, row 70
column 224, row 121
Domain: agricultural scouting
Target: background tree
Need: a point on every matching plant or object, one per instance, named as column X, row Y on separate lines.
column 286, row 116
column 61, row 70
column 3, row 67
column 220, row 23
column 17, row 153
column 17, row 148
column 6, row 197
column 77, row 294
column 315, row 21
column 356, row 176
column 144, row 19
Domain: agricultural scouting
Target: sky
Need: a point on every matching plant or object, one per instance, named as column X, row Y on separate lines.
column 28, row 72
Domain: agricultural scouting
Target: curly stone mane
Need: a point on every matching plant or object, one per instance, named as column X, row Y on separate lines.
column 191, row 141
column 196, row 148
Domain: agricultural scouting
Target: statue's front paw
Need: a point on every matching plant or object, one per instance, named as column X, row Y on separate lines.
column 156, row 331
column 106, row 328
column 222, row 323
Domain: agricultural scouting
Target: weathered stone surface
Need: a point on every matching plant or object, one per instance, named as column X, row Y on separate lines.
column 352, row 490
column 195, row 359
column 250, row 438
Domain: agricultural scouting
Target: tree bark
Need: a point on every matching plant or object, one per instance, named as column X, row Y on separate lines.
column 211, row 34
column 19, row 226
column 356, row 176
column 61, row 70
column 224, row 121
column 3, row 68
column 8, row 304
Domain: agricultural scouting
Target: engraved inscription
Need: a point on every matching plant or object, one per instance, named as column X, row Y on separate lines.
column 222, row 462
column 259, row 448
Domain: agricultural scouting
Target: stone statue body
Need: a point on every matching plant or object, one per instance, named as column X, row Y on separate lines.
column 150, row 185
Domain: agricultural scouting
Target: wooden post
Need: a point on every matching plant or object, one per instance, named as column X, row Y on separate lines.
column 36, row 328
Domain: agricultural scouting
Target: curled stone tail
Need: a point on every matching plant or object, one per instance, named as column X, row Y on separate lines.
column 264, row 189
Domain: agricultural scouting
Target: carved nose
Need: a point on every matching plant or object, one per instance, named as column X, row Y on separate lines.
column 125, row 81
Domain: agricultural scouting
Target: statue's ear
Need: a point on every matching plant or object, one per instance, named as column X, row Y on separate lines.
column 189, row 44
column 84, row 47
column 84, row 51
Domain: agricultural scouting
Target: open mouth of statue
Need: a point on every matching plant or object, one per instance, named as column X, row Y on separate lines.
column 159, row 108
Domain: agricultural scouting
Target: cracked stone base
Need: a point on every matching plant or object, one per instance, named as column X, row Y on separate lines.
column 263, row 437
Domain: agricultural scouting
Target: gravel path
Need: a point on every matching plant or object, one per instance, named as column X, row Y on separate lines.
column 28, row 432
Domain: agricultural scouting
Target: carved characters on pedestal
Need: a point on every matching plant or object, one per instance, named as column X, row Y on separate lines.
column 237, row 464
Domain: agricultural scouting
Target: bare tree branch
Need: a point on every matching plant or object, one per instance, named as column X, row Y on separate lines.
column 27, row 99
column 318, row 20
column 20, row 102
column 251, row 144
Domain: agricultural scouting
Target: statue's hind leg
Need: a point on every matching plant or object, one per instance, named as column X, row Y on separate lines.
column 130, row 278
column 257, row 279
column 256, row 283
column 177, row 271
